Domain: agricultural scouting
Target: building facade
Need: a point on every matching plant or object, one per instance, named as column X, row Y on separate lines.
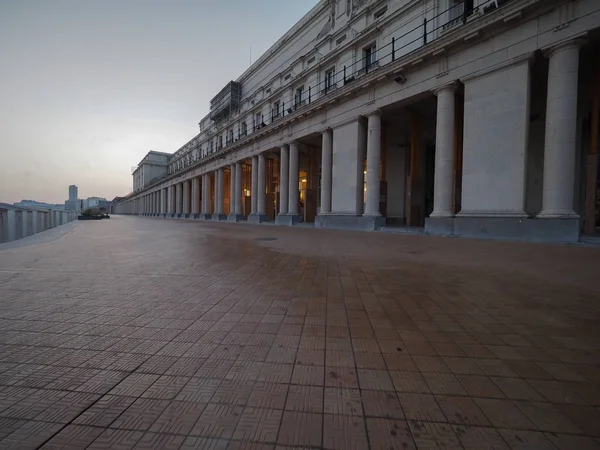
column 72, row 204
column 472, row 118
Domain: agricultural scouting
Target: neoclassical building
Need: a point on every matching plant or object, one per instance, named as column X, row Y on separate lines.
column 462, row 117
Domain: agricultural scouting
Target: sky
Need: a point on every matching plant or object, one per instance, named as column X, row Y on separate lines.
column 88, row 87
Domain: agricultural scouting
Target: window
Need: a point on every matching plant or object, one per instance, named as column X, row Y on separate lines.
column 258, row 120
column 276, row 109
column 379, row 14
column 299, row 98
column 340, row 40
column 230, row 136
column 456, row 10
column 220, row 142
column 211, row 146
column 244, row 129
column 370, row 56
column 330, row 80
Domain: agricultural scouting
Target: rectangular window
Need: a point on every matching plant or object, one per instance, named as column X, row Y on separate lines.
column 276, row 109
column 370, row 56
column 330, row 80
column 379, row 14
column 230, row 136
column 299, row 97
column 456, row 11
column 258, row 121
column 244, row 129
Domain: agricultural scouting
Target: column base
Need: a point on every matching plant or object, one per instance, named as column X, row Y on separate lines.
column 257, row 218
column 235, row 217
column 287, row 219
column 219, row 217
column 439, row 226
column 205, row 216
column 349, row 222
column 185, row 216
column 558, row 214
column 517, row 229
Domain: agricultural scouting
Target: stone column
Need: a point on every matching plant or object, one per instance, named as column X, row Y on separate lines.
column 444, row 153
column 261, row 186
column 561, row 131
column 293, row 182
column 326, row 153
column 34, row 222
column 178, row 198
column 195, row 196
column 373, row 164
column 284, row 174
column 254, row 193
column 231, row 188
column 11, row 223
column 235, row 194
column 186, row 198
column 204, row 197
column 220, row 195
column 170, row 200
column 238, row 189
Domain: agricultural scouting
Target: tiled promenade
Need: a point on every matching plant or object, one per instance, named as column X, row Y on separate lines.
column 135, row 333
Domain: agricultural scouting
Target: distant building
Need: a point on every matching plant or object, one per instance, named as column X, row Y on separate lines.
column 72, row 204
column 98, row 203
column 152, row 167
column 32, row 204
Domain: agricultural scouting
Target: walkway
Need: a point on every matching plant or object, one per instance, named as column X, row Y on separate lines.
column 135, row 333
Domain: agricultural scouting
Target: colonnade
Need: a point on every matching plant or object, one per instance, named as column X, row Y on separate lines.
column 204, row 196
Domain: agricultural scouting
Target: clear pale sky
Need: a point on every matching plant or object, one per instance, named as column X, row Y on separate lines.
column 88, row 87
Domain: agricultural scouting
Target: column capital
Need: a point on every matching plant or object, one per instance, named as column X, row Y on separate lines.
column 326, row 130
column 373, row 112
column 453, row 86
column 572, row 42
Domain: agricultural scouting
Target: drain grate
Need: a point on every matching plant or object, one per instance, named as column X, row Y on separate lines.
column 265, row 239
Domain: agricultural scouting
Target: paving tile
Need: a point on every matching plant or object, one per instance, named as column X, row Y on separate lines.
column 29, row 435
column 479, row 438
column 344, row 432
column 461, row 410
column 389, row 434
column 199, row 390
column 259, row 425
column 303, row 398
column 343, row 401
column 377, row 380
column 140, row 415
column 504, row 414
column 73, row 437
column 178, row 418
column 116, row 440
column 300, row 429
column 308, row 375
column 421, row 407
column 382, row 404
column 151, row 441
column 104, row 411
column 434, row 435
column 526, row 440
column 268, row 395
column 218, row 421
